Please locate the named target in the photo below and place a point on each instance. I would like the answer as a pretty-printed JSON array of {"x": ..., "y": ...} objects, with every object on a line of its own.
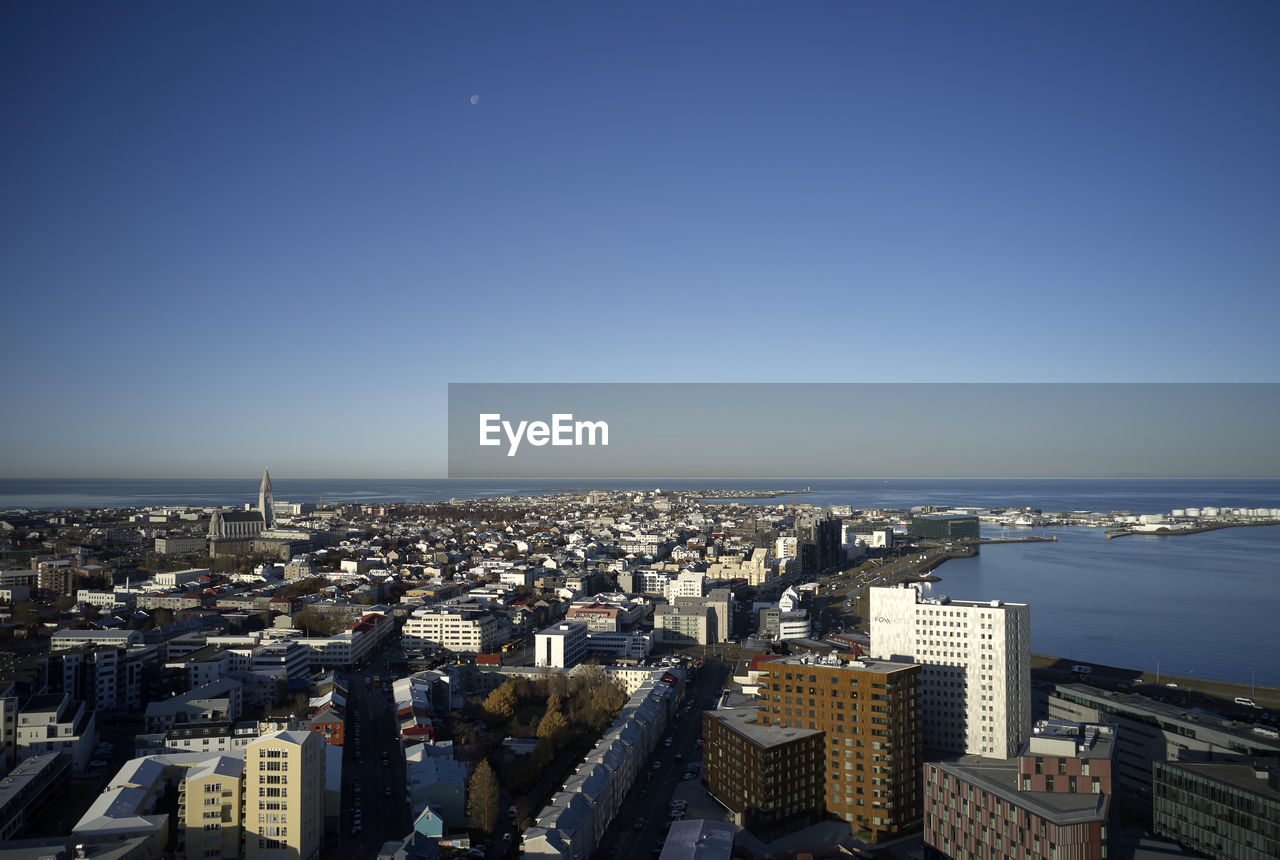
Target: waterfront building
[
  {"x": 976, "y": 681},
  {"x": 1227, "y": 810},
  {"x": 867, "y": 711},
  {"x": 943, "y": 527},
  {"x": 1150, "y": 732},
  {"x": 1051, "y": 801},
  {"x": 770, "y": 777}
]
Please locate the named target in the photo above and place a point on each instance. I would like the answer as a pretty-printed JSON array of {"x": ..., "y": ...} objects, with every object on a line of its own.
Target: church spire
[{"x": 266, "y": 502}]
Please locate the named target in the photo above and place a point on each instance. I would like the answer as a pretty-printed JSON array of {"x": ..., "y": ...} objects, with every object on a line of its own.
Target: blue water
[
  {"x": 1137, "y": 495},
  {"x": 1205, "y": 605}
]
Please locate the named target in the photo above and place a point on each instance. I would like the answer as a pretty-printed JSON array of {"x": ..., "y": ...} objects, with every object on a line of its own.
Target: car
[
  {"x": 639, "y": 824},
  {"x": 690, "y": 775},
  {"x": 97, "y": 763},
  {"x": 657, "y": 765},
  {"x": 386, "y": 792}
]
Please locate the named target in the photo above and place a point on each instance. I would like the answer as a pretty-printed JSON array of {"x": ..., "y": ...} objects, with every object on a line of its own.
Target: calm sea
[{"x": 1205, "y": 605}]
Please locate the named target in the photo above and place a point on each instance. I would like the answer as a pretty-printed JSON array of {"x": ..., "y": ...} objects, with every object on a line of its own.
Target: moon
[{"x": 475, "y": 100}]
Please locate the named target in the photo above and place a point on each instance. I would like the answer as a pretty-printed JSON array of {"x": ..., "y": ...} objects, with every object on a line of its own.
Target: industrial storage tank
[
  {"x": 1193, "y": 512},
  {"x": 1178, "y": 512}
]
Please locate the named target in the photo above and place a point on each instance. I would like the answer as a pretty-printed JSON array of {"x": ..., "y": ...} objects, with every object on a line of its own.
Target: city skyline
[{"x": 238, "y": 236}]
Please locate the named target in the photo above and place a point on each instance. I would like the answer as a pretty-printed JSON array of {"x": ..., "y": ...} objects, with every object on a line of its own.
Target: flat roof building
[
  {"x": 976, "y": 680},
  {"x": 867, "y": 712}
]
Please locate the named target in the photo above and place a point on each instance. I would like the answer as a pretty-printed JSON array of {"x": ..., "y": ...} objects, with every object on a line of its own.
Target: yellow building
[
  {"x": 284, "y": 797},
  {"x": 209, "y": 809}
]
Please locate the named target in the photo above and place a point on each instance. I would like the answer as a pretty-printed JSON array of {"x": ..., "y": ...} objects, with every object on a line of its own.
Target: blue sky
[{"x": 241, "y": 234}]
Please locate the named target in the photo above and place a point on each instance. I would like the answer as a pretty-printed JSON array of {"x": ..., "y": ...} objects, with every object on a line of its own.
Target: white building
[
  {"x": 179, "y": 578},
  {"x": 620, "y": 645},
  {"x": 561, "y": 646},
  {"x": 52, "y": 723},
  {"x": 463, "y": 629},
  {"x": 976, "y": 684},
  {"x": 75, "y": 638}
]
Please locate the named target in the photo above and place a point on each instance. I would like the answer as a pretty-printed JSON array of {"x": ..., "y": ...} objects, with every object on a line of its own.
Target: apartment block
[
  {"x": 1053, "y": 800},
  {"x": 209, "y": 809},
  {"x": 976, "y": 659},
  {"x": 771, "y": 777},
  {"x": 867, "y": 711},
  {"x": 469, "y": 630},
  {"x": 51, "y": 723},
  {"x": 284, "y": 796}
]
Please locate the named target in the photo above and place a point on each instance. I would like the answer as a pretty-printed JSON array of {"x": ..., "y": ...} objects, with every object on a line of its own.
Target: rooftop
[
  {"x": 1000, "y": 776},
  {"x": 1247, "y": 775},
  {"x": 743, "y": 721}
]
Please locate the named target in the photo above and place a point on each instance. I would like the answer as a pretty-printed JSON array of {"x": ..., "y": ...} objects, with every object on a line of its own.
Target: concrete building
[
  {"x": 28, "y": 789},
  {"x": 50, "y": 723},
  {"x": 770, "y": 777},
  {"x": 1227, "y": 810},
  {"x": 1149, "y": 732},
  {"x": 620, "y": 646},
  {"x": 75, "y": 638},
  {"x": 220, "y": 701},
  {"x": 976, "y": 682},
  {"x": 181, "y": 544},
  {"x": 284, "y": 796},
  {"x": 943, "y": 527},
  {"x": 1046, "y": 803},
  {"x": 179, "y": 578},
  {"x": 867, "y": 712},
  {"x": 562, "y": 646},
  {"x": 210, "y": 808},
  {"x": 469, "y": 630},
  {"x": 684, "y": 624}
]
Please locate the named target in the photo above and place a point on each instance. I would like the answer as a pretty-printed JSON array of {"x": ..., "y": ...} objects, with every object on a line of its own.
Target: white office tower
[{"x": 975, "y": 691}]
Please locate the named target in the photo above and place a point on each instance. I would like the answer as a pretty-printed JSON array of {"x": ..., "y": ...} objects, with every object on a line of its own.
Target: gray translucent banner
[{"x": 856, "y": 430}]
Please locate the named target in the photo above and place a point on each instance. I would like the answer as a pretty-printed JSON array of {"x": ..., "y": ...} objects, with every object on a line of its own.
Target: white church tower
[{"x": 266, "y": 502}]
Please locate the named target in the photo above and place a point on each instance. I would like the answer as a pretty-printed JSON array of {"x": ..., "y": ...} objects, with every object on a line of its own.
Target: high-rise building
[
  {"x": 284, "y": 796},
  {"x": 209, "y": 808},
  {"x": 976, "y": 658},
  {"x": 867, "y": 712}
]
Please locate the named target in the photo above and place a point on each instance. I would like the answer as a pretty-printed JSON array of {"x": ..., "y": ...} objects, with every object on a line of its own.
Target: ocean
[{"x": 1203, "y": 605}]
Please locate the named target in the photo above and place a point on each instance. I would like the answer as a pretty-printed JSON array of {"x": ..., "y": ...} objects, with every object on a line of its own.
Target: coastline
[{"x": 1168, "y": 532}]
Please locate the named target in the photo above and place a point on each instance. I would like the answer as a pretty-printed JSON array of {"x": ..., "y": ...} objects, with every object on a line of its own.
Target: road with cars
[
  {"x": 642, "y": 822},
  {"x": 374, "y": 794}
]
